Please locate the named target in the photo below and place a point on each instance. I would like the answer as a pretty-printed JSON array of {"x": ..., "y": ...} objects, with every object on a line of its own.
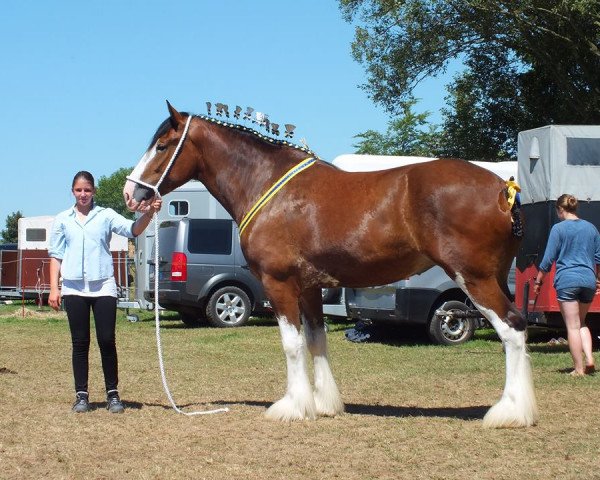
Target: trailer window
[
  {"x": 210, "y": 237},
  {"x": 583, "y": 151},
  {"x": 178, "y": 208},
  {"x": 35, "y": 234}
]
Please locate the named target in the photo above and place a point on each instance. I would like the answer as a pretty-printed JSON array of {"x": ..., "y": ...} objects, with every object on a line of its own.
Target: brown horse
[{"x": 326, "y": 227}]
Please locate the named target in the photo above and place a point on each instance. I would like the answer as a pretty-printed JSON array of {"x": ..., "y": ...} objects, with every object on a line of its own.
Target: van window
[
  {"x": 35, "y": 234},
  {"x": 210, "y": 236},
  {"x": 583, "y": 151},
  {"x": 179, "y": 208}
]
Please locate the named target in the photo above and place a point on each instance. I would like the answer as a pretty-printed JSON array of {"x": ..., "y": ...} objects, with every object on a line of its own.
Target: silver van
[
  {"x": 431, "y": 299},
  {"x": 203, "y": 274}
]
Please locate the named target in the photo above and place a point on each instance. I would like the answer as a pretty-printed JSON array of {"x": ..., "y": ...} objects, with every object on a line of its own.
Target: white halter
[{"x": 169, "y": 165}]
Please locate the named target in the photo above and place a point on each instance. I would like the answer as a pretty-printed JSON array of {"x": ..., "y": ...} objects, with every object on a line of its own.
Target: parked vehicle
[
  {"x": 553, "y": 160},
  {"x": 191, "y": 200},
  {"x": 25, "y": 267},
  {"x": 203, "y": 275},
  {"x": 431, "y": 299}
]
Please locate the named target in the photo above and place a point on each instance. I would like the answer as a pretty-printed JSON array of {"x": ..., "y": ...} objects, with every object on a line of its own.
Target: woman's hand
[
  {"x": 54, "y": 298},
  {"x": 155, "y": 206}
]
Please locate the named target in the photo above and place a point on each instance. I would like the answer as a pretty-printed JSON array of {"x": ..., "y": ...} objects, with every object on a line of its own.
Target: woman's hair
[
  {"x": 87, "y": 176},
  {"x": 567, "y": 202}
]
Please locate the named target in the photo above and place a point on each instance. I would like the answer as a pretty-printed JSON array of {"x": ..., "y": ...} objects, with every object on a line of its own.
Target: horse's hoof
[{"x": 287, "y": 410}]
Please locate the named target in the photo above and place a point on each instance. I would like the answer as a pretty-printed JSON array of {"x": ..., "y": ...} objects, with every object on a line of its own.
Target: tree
[
  {"x": 11, "y": 233},
  {"x": 110, "y": 192},
  {"x": 528, "y": 63},
  {"x": 407, "y": 134}
]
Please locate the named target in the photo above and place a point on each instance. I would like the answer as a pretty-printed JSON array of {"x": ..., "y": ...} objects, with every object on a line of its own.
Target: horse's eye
[{"x": 160, "y": 147}]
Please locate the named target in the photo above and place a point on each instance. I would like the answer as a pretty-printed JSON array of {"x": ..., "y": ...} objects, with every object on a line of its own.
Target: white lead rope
[
  {"x": 156, "y": 275},
  {"x": 158, "y": 341}
]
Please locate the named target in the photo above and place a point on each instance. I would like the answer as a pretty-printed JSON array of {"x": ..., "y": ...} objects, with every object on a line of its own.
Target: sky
[{"x": 83, "y": 84}]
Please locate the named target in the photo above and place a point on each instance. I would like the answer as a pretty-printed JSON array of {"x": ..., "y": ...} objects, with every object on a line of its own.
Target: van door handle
[{"x": 245, "y": 267}]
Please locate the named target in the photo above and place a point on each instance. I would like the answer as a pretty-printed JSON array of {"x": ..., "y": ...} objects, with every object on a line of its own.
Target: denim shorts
[{"x": 579, "y": 294}]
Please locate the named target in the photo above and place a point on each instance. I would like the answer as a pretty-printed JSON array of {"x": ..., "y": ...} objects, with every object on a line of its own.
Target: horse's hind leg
[
  {"x": 517, "y": 407},
  {"x": 326, "y": 394},
  {"x": 298, "y": 402}
]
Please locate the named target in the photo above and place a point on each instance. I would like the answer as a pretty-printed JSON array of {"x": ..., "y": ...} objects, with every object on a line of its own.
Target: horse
[{"x": 306, "y": 225}]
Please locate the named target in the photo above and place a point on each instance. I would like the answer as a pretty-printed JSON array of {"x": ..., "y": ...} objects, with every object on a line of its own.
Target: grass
[{"x": 414, "y": 410}]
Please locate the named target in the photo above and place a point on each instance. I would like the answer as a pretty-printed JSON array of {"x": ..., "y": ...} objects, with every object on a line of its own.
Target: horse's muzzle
[{"x": 137, "y": 196}]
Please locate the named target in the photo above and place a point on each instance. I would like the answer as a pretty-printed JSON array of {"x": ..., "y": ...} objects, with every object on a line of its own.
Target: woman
[
  {"x": 574, "y": 244},
  {"x": 79, "y": 250}
]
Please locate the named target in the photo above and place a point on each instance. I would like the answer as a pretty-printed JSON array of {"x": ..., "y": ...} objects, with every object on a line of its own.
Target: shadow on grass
[{"x": 475, "y": 412}]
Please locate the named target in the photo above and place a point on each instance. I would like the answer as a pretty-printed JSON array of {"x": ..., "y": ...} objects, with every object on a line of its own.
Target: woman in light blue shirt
[
  {"x": 574, "y": 244},
  {"x": 79, "y": 251}
]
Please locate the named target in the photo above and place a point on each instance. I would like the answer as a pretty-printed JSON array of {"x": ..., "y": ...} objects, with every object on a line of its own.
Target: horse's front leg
[
  {"x": 298, "y": 402},
  {"x": 327, "y": 395}
]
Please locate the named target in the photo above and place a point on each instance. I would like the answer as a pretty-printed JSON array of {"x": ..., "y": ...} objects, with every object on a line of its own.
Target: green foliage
[
  {"x": 11, "y": 233},
  {"x": 110, "y": 192},
  {"x": 527, "y": 63},
  {"x": 408, "y": 134}
]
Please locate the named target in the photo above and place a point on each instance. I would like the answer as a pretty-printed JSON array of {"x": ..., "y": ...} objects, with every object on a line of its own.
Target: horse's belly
[{"x": 366, "y": 273}]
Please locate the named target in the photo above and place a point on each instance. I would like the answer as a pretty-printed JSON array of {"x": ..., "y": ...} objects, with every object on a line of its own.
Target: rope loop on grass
[{"x": 158, "y": 340}]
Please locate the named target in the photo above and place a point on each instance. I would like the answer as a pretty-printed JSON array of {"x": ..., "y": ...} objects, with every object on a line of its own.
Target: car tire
[
  {"x": 192, "y": 316},
  {"x": 447, "y": 331},
  {"x": 228, "y": 307}
]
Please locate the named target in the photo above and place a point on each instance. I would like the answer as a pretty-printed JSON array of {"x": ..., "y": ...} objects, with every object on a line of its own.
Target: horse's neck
[{"x": 237, "y": 170}]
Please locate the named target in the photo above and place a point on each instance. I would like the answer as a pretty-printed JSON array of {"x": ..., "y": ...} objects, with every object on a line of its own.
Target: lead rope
[
  {"x": 156, "y": 266},
  {"x": 158, "y": 340}
]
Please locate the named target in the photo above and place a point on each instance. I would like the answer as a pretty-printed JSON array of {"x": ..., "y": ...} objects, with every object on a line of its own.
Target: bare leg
[
  {"x": 326, "y": 394},
  {"x": 571, "y": 314},
  {"x": 586, "y": 335}
]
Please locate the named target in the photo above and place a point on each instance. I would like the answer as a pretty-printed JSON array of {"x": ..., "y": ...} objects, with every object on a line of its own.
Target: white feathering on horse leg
[
  {"x": 327, "y": 396},
  {"x": 517, "y": 407},
  {"x": 298, "y": 403}
]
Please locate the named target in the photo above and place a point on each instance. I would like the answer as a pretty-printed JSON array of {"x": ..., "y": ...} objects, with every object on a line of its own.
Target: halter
[{"x": 169, "y": 165}]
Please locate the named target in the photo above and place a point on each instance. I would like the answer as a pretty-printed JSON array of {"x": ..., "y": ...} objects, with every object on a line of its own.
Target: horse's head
[{"x": 166, "y": 164}]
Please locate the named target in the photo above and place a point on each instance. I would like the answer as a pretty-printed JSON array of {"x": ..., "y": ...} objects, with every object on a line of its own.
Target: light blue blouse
[{"x": 84, "y": 247}]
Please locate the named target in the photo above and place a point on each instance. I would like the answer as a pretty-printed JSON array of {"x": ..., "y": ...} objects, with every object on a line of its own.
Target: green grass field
[{"x": 413, "y": 410}]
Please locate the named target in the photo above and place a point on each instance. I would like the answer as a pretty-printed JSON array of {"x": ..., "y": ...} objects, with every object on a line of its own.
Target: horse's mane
[{"x": 258, "y": 136}]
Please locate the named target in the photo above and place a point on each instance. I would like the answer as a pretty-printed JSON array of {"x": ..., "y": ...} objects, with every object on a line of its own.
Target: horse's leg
[
  {"x": 517, "y": 407},
  {"x": 298, "y": 402},
  {"x": 327, "y": 396}
]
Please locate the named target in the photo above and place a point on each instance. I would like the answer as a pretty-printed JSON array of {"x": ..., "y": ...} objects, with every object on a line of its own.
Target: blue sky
[{"x": 84, "y": 84}]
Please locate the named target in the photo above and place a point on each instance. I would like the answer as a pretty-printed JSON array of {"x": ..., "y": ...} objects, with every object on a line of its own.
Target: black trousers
[{"x": 105, "y": 315}]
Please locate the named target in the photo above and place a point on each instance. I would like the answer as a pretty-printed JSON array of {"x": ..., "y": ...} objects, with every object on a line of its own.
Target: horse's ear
[{"x": 176, "y": 117}]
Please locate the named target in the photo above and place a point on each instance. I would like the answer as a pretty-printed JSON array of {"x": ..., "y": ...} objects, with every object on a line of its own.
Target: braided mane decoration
[{"x": 257, "y": 118}]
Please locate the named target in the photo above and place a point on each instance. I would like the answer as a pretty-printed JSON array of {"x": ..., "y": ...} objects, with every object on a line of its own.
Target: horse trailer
[
  {"x": 25, "y": 270},
  {"x": 553, "y": 160}
]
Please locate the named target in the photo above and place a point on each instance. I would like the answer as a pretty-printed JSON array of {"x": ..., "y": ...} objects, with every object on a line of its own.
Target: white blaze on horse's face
[{"x": 136, "y": 174}]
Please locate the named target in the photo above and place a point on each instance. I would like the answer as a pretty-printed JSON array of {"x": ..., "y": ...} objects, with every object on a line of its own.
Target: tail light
[{"x": 178, "y": 267}]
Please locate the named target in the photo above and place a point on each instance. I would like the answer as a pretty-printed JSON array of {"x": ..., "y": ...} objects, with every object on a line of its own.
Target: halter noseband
[{"x": 169, "y": 165}]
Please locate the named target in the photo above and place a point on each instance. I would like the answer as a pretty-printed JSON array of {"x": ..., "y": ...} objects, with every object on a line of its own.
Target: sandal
[
  {"x": 575, "y": 373},
  {"x": 590, "y": 369}
]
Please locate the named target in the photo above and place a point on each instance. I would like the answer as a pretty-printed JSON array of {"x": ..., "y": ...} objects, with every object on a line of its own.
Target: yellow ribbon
[{"x": 278, "y": 185}]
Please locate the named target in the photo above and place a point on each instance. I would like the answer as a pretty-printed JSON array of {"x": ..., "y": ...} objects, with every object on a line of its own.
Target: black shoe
[
  {"x": 81, "y": 404},
  {"x": 114, "y": 404}
]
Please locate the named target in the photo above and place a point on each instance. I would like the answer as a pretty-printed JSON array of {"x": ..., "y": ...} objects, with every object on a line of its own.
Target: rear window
[
  {"x": 583, "y": 151},
  {"x": 210, "y": 237}
]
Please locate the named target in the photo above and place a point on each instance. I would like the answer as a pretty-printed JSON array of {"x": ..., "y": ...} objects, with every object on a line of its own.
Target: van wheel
[
  {"x": 192, "y": 317},
  {"x": 228, "y": 307},
  {"x": 446, "y": 330}
]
